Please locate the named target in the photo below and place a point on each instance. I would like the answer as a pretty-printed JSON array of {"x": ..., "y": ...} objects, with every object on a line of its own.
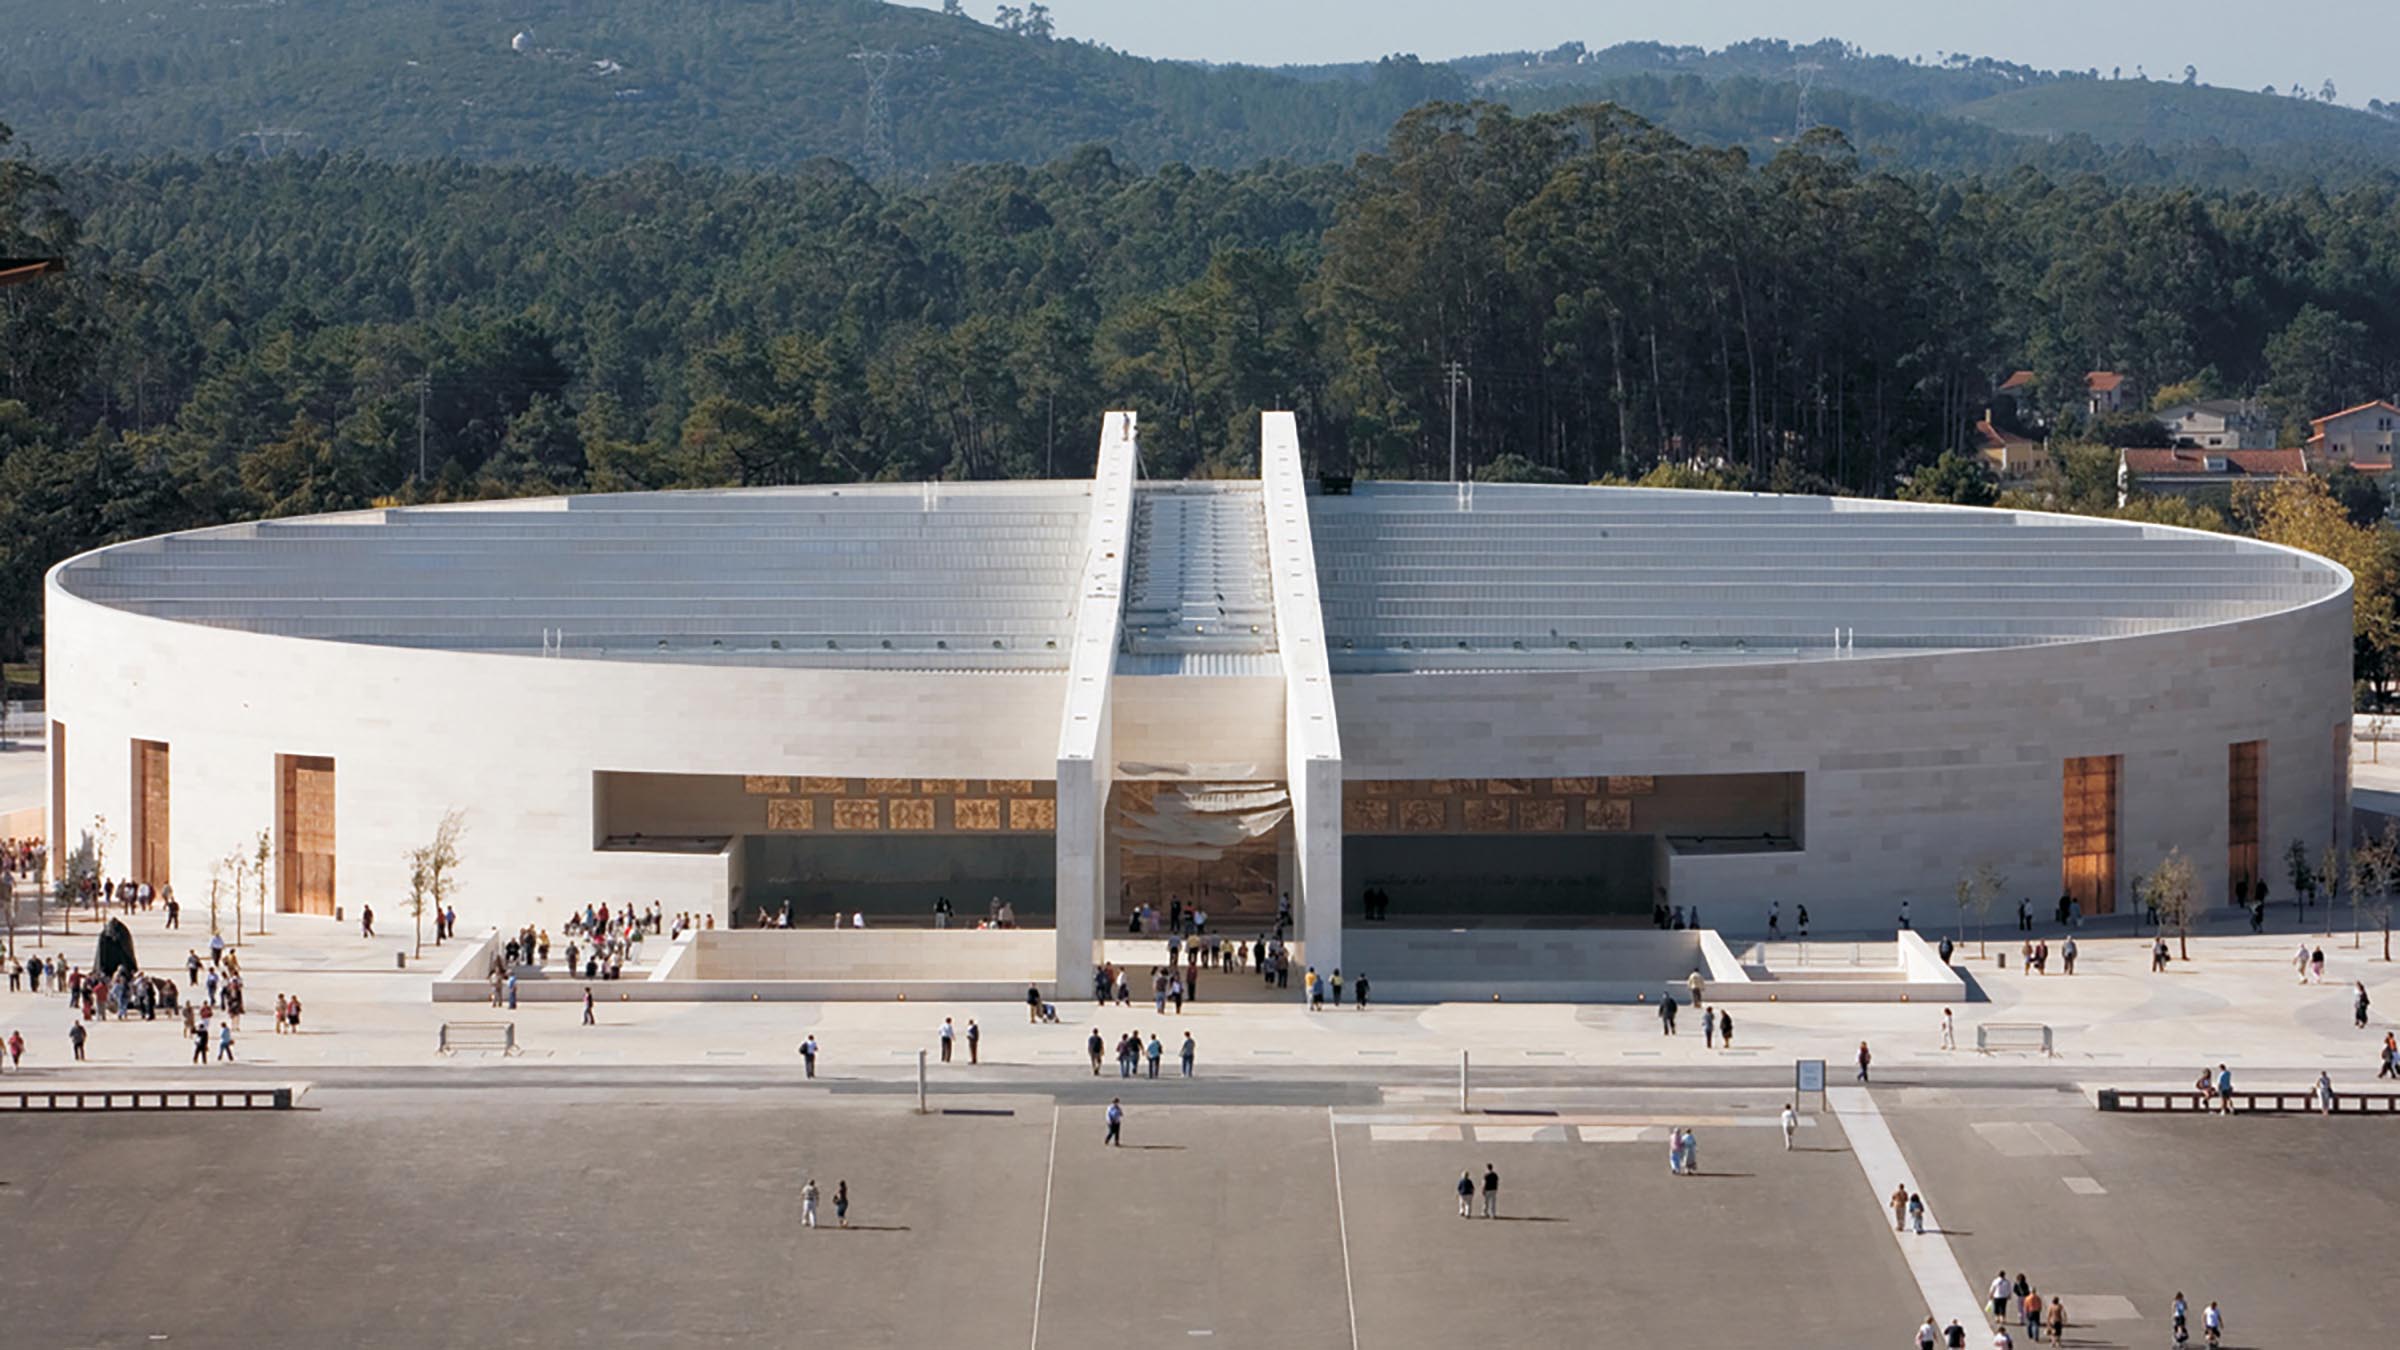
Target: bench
[
  {"x": 148, "y": 1099},
  {"x": 1992, "y": 1036},
  {"x": 500, "y": 1036},
  {"x": 2271, "y": 1102}
]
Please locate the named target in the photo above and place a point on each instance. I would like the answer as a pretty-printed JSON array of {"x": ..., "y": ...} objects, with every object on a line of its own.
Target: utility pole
[
  {"x": 1454, "y": 374},
  {"x": 424, "y": 393}
]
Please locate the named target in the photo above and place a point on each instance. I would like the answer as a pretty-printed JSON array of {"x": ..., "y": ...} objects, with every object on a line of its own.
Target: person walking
[
  {"x": 2391, "y": 1057},
  {"x": 1999, "y": 1294},
  {"x": 808, "y": 1056},
  {"x": 1949, "y": 1031},
  {"x": 1916, "y": 1213},
  {"x": 1691, "y": 1152},
  {"x": 2182, "y": 1328},
  {"x": 1157, "y": 1051},
  {"x": 16, "y": 1049},
  {"x": 2032, "y": 1308},
  {"x": 588, "y": 1019},
  {"x": 1316, "y": 990},
  {"x": 946, "y": 1035},
  {"x": 1675, "y": 1150},
  {"x": 1929, "y": 1336},
  {"x": 1864, "y": 1059},
  {"x": 1666, "y": 1014},
  {"x": 1791, "y": 1123},
  {"x": 1466, "y": 1195},
  {"x": 2212, "y": 1323},
  {"x": 75, "y": 1037},
  {"x": 2300, "y": 962},
  {"x": 1708, "y": 1028},
  {"x": 1189, "y": 1049},
  {"x": 841, "y": 1204},
  {"x": 1724, "y": 1027},
  {"x": 2058, "y": 1321},
  {"x": 2358, "y": 1007},
  {"x": 2316, "y": 966},
  {"x": 1899, "y": 1204},
  {"x": 1362, "y": 991},
  {"x": 2067, "y": 957},
  {"x": 808, "y": 1204},
  {"x": 366, "y": 921},
  {"x": 200, "y": 1044},
  {"x": 1094, "y": 1046},
  {"x": 1954, "y": 1336},
  {"x": 1491, "y": 1191},
  {"x": 2324, "y": 1093},
  {"x": 1116, "y": 1124},
  {"x": 2224, "y": 1090},
  {"x": 974, "y": 1042},
  {"x": 225, "y": 1041}
]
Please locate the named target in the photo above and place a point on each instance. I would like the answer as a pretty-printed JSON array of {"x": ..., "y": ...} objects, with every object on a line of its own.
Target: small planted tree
[
  {"x": 2171, "y": 889},
  {"x": 2333, "y": 868},
  {"x": 1979, "y": 889},
  {"x": 432, "y": 870},
  {"x": 262, "y": 852},
  {"x": 2387, "y": 880},
  {"x": 234, "y": 870},
  {"x": 2304, "y": 877}
]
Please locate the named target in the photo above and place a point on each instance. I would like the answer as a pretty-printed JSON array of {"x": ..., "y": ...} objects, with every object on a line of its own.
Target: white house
[
  {"x": 2365, "y": 432},
  {"x": 2219, "y": 424}
]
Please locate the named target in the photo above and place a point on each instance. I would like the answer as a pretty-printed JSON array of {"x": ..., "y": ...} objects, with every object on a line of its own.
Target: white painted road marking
[
  {"x": 1041, "y": 1262},
  {"x": 1341, "y": 1214},
  {"x": 2084, "y": 1186},
  {"x": 1930, "y": 1261}
]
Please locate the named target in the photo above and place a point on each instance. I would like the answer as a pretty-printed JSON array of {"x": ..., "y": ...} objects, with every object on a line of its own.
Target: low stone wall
[
  {"x": 1018, "y": 955},
  {"x": 1917, "y": 975},
  {"x": 794, "y": 966}
]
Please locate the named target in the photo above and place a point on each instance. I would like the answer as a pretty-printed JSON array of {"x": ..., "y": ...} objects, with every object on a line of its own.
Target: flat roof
[
  {"x": 1422, "y": 577},
  {"x": 1409, "y": 577},
  {"x": 944, "y": 576}
]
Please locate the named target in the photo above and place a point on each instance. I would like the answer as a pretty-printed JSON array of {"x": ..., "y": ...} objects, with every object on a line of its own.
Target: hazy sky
[{"x": 2239, "y": 43}]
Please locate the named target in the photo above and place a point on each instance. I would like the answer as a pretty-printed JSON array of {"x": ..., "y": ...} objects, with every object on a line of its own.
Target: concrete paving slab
[
  {"x": 1604, "y": 1247},
  {"x": 2281, "y": 1219}
]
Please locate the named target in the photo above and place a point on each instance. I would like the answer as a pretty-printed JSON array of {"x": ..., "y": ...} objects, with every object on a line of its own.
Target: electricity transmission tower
[
  {"x": 878, "y": 66},
  {"x": 1807, "y": 71}
]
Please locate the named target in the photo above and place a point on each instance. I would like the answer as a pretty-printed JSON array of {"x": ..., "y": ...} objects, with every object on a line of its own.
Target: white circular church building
[{"x": 1514, "y": 709}]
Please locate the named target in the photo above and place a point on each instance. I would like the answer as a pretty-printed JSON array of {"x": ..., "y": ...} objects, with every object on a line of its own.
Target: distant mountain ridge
[{"x": 771, "y": 84}]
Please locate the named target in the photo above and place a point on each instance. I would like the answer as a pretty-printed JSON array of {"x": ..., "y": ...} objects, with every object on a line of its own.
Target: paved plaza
[
  {"x": 639, "y": 1180},
  {"x": 670, "y": 1214}
]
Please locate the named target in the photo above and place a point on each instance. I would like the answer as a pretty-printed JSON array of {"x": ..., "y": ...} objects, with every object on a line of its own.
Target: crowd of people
[
  {"x": 209, "y": 1001},
  {"x": 600, "y": 943},
  {"x": 21, "y": 858}
]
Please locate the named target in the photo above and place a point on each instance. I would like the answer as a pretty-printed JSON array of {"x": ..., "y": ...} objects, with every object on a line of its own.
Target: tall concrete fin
[
  {"x": 1312, "y": 735},
  {"x": 1083, "y": 723}
]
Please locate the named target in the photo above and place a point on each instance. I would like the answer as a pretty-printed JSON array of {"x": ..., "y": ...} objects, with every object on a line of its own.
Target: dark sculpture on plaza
[{"x": 115, "y": 951}]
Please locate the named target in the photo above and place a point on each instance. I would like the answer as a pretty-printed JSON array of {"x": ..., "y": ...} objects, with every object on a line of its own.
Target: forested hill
[
  {"x": 600, "y": 83},
  {"x": 770, "y": 84}
]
